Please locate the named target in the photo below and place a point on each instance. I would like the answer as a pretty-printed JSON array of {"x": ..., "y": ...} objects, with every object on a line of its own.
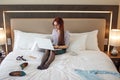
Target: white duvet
[{"x": 62, "y": 68}]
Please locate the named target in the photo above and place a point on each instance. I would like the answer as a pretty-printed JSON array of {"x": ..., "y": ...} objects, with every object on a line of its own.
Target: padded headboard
[
  {"x": 44, "y": 25},
  {"x": 74, "y": 25},
  {"x": 77, "y": 17}
]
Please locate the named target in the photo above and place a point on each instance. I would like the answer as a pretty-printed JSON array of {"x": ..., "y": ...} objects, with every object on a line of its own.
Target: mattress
[{"x": 62, "y": 68}]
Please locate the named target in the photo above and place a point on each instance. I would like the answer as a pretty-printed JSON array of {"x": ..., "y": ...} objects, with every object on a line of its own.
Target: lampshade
[
  {"x": 115, "y": 37},
  {"x": 2, "y": 37}
]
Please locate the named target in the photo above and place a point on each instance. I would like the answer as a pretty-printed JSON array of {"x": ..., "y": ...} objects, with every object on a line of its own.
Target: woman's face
[{"x": 56, "y": 25}]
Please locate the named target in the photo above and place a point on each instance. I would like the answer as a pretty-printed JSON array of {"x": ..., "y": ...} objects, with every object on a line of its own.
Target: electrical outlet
[
  {"x": 9, "y": 41},
  {"x": 105, "y": 41}
]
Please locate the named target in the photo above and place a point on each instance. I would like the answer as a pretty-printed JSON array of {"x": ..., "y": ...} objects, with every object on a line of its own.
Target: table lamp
[
  {"x": 114, "y": 40},
  {"x": 2, "y": 40}
]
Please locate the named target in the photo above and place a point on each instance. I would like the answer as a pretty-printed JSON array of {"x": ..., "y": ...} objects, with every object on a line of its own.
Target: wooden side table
[
  {"x": 1, "y": 58},
  {"x": 116, "y": 60}
]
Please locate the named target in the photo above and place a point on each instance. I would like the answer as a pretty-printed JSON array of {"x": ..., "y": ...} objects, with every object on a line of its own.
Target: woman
[{"x": 60, "y": 39}]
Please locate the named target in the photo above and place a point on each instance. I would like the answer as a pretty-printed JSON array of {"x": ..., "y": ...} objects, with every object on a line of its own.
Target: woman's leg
[
  {"x": 50, "y": 59},
  {"x": 44, "y": 59}
]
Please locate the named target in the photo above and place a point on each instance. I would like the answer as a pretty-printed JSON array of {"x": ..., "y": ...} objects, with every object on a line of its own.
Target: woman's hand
[
  {"x": 56, "y": 47},
  {"x": 60, "y": 47}
]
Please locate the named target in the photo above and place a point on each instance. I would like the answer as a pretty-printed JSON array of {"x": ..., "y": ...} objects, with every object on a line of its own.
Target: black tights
[{"x": 47, "y": 59}]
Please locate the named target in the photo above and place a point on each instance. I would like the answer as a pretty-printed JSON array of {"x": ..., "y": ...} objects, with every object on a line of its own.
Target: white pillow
[
  {"x": 77, "y": 43},
  {"x": 91, "y": 41},
  {"x": 25, "y": 41}
]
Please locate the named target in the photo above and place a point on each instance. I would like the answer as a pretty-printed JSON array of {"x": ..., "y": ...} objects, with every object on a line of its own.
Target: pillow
[
  {"x": 91, "y": 41},
  {"x": 25, "y": 41},
  {"x": 77, "y": 43}
]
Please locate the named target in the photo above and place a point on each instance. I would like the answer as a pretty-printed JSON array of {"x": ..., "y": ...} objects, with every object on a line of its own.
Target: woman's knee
[
  {"x": 53, "y": 52},
  {"x": 47, "y": 52}
]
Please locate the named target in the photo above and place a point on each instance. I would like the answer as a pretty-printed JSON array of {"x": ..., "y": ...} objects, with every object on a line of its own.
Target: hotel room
[{"x": 92, "y": 54}]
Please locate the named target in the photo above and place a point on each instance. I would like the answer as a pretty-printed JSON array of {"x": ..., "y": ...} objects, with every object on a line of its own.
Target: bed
[{"x": 82, "y": 61}]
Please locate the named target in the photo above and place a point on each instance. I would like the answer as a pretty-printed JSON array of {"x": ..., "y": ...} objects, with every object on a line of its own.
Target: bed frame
[{"x": 106, "y": 13}]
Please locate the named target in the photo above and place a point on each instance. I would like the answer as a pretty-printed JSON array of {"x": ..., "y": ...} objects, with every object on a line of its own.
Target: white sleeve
[{"x": 67, "y": 38}]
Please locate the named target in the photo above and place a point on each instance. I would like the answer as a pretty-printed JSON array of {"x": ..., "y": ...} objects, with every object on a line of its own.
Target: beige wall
[
  {"x": 91, "y": 2},
  {"x": 74, "y": 2}
]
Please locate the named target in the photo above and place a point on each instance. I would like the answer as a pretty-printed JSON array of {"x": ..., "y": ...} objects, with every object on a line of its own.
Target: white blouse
[{"x": 55, "y": 36}]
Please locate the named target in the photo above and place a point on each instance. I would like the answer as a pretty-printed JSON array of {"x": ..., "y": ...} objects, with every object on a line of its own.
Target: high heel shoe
[
  {"x": 17, "y": 73},
  {"x": 23, "y": 65}
]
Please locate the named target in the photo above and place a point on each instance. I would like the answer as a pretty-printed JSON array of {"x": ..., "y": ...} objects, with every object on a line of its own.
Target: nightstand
[
  {"x": 116, "y": 60},
  {"x": 1, "y": 58}
]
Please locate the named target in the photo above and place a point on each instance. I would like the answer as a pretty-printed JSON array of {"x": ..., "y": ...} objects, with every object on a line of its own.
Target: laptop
[{"x": 44, "y": 43}]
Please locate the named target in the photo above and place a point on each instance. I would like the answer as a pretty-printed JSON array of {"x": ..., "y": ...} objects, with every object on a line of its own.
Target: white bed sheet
[{"x": 62, "y": 68}]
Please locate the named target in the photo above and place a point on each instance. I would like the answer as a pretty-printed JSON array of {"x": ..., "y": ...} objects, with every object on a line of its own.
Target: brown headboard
[{"x": 107, "y": 12}]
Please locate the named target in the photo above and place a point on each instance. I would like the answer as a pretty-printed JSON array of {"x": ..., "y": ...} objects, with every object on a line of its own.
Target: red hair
[{"x": 60, "y": 22}]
